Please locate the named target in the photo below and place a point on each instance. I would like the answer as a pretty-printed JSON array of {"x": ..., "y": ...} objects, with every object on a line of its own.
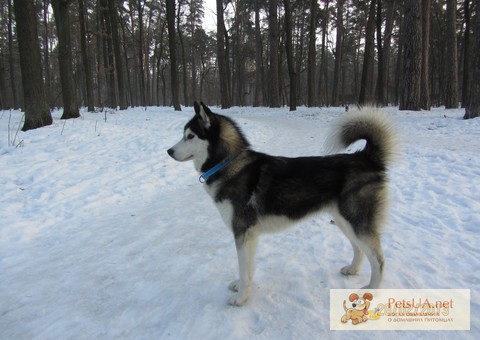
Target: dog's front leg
[{"x": 245, "y": 244}]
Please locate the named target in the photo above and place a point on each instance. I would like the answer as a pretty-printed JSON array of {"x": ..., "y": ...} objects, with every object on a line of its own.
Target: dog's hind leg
[
  {"x": 372, "y": 247},
  {"x": 246, "y": 245},
  {"x": 347, "y": 229},
  {"x": 352, "y": 268}
]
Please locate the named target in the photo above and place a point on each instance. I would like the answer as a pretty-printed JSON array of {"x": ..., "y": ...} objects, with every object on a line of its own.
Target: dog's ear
[
  {"x": 353, "y": 297},
  {"x": 196, "y": 106},
  {"x": 368, "y": 296},
  {"x": 204, "y": 113}
]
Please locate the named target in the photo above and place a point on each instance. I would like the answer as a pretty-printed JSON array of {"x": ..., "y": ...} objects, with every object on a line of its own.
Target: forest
[{"x": 108, "y": 54}]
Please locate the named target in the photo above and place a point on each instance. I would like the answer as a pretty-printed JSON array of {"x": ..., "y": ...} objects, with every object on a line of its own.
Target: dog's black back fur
[{"x": 297, "y": 187}]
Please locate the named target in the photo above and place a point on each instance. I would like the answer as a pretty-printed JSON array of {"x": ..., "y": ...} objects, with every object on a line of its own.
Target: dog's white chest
[{"x": 225, "y": 207}]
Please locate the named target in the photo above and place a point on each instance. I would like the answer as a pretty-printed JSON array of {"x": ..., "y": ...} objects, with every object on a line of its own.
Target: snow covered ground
[{"x": 103, "y": 236}]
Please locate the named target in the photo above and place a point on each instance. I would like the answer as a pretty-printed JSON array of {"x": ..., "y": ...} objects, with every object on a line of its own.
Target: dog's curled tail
[{"x": 371, "y": 125}]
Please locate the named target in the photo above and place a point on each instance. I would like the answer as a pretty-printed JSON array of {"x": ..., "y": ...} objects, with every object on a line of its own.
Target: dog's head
[
  {"x": 361, "y": 304},
  {"x": 194, "y": 143},
  {"x": 208, "y": 138}
]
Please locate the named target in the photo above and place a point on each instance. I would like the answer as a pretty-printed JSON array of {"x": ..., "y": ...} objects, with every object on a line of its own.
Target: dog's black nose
[
  {"x": 170, "y": 152},
  {"x": 354, "y": 305}
]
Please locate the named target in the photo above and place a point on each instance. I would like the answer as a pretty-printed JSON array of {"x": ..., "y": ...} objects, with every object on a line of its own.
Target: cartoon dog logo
[{"x": 359, "y": 311}]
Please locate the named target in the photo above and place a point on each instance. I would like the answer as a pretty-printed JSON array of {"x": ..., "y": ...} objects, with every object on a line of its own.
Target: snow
[{"x": 103, "y": 236}]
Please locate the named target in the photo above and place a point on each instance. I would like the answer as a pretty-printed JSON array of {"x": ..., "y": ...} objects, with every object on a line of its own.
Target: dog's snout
[
  {"x": 354, "y": 305},
  {"x": 170, "y": 152}
]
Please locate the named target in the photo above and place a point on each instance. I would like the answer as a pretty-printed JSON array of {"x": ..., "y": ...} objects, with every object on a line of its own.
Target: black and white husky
[{"x": 257, "y": 193}]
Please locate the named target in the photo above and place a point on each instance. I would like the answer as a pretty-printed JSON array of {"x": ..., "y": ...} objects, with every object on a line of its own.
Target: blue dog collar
[{"x": 207, "y": 174}]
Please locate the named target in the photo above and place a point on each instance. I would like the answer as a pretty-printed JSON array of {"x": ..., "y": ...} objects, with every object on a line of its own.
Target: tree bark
[
  {"x": 67, "y": 77},
  {"x": 37, "y": 113},
  {"x": 258, "y": 94},
  {"x": 466, "y": 56},
  {"x": 425, "y": 84},
  {"x": 390, "y": 10},
  {"x": 225, "y": 98},
  {"x": 186, "y": 100},
  {"x": 323, "y": 76},
  {"x": 472, "y": 110},
  {"x": 274, "y": 53},
  {"x": 108, "y": 55},
  {"x": 451, "y": 68},
  {"x": 411, "y": 57},
  {"x": 290, "y": 61},
  {"x": 338, "y": 54},
  {"x": 11, "y": 58},
  {"x": 122, "y": 97},
  {"x": 312, "y": 55},
  {"x": 193, "y": 16},
  {"x": 365, "y": 84},
  {"x": 85, "y": 58},
  {"x": 380, "y": 88},
  {"x": 170, "y": 6}
]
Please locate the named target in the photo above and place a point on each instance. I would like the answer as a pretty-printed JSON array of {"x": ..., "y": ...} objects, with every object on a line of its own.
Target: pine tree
[
  {"x": 65, "y": 61},
  {"x": 472, "y": 110},
  {"x": 36, "y": 109},
  {"x": 411, "y": 57},
  {"x": 173, "y": 55},
  {"x": 451, "y": 68}
]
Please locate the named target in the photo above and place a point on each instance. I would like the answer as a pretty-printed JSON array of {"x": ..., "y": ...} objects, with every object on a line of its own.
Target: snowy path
[{"x": 102, "y": 236}]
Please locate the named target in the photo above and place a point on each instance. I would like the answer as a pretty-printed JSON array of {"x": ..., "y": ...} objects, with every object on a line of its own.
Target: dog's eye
[{"x": 190, "y": 136}]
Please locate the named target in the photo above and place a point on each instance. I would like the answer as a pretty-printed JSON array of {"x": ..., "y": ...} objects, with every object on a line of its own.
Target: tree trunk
[
  {"x": 67, "y": 77},
  {"x": 85, "y": 57},
  {"x": 99, "y": 70},
  {"x": 108, "y": 55},
  {"x": 122, "y": 98},
  {"x": 466, "y": 56},
  {"x": 472, "y": 110},
  {"x": 289, "y": 50},
  {"x": 227, "y": 64},
  {"x": 274, "y": 54},
  {"x": 451, "y": 68},
  {"x": 222, "y": 58},
  {"x": 129, "y": 88},
  {"x": 399, "y": 62},
  {"x": 367, "y": 69},
  {"x": 37, "y": 113},
  {"x": 411, "y": 58},
  {"x": 11, "y": 59},
  {"x": 186, "y": 100},
  {"x": 257, "y": 101},
  {"x": 323, "y": 76},
  {"x": 238, "y": 57},
  {"x": 338, "y": 54},
  {"x": 390, "y": 10},
  {"x": 170, "y": 6},
  {"x": 380, "y": 88},
  {"x": 425, "y": 85},
  {"x": 193, "y": 15},
  {"x": 312, "y": 55}
]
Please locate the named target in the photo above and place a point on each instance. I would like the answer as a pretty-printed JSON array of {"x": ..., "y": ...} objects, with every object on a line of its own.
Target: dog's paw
[
  {"x": 233, "y": 286},
  {"x": 237, "y": 300},
  {"x": 349, "y": 270}
]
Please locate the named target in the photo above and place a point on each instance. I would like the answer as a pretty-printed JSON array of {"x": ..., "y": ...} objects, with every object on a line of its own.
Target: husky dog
[{"x": 257, "y": 193}]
